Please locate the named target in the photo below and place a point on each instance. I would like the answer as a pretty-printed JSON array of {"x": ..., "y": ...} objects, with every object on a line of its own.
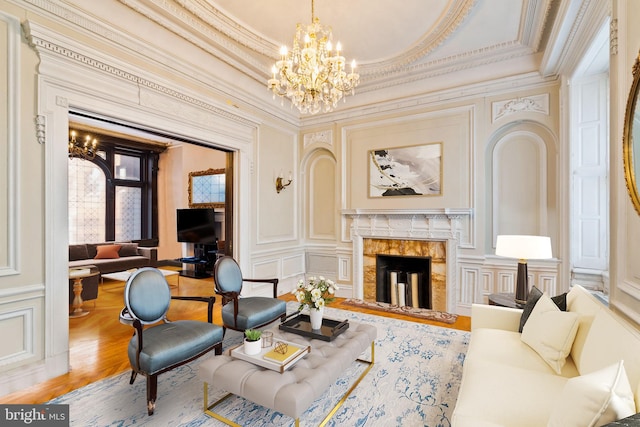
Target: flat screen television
[{"x": 196, "y": 226}]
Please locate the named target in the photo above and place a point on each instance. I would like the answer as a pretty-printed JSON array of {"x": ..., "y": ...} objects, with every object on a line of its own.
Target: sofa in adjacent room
[
  {"x": 107, "y": 257},
  {"x": 110, "y": 257},
  {"x": 548, "y": 367}
]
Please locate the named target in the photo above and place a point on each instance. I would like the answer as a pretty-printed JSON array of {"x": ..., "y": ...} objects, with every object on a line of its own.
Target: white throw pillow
[
  {"x": 594, "y": 399},
  {"x": 550, "y": 332}
]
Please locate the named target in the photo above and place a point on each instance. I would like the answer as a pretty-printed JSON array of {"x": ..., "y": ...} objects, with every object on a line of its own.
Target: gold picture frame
[
  {"x": 207, "y": 188},
  {"x": 631, "y": 139}
]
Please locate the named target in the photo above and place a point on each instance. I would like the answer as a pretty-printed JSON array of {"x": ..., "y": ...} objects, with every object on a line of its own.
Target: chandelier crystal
[
  {"x": 86, "y": 150},
  {"x": 312, "y": 75}
]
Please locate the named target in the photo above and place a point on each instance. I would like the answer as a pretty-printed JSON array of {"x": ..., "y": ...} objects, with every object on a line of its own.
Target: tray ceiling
[{"x": 390, "y": 40}]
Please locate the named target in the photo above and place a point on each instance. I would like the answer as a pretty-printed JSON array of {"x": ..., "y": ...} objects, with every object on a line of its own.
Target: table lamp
[{"x": 523, "y": 248}]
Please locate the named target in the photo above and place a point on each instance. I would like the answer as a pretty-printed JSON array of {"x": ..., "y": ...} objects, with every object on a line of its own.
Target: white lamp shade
[{"x": 524, "y": 247}]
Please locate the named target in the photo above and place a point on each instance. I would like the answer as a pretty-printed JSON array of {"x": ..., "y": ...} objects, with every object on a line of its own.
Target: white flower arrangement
[{"x": 315, "y": 294}]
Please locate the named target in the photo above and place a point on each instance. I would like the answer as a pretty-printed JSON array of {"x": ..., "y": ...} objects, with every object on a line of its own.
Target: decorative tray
[
  {"x": 301, "y": 325},
  {"x": 263, "y": 359}
]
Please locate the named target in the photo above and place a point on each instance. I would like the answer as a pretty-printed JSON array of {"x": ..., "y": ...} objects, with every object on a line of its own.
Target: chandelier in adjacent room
[
  {"x": 86, "y": 149},
  {"x": 313, "y": 73}
]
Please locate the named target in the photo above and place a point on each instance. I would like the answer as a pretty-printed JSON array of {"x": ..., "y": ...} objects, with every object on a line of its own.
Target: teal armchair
[
  {"x": 241, "y": 313},
  {"x": 158, "y": 344}
]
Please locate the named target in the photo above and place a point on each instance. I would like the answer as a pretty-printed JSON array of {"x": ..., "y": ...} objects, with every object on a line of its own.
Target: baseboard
[{"x": 30, "y": 375}]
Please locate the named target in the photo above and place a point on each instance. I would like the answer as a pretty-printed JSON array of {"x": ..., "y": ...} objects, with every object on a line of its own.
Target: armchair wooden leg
[
  {"x": 218, "y": 349},
  {"x": 152, "y": 391},
  {"x": 134, "y": 374}
]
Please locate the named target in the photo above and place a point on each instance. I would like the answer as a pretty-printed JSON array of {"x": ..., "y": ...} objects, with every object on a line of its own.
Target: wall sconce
[{"x": 280, "y": 184}]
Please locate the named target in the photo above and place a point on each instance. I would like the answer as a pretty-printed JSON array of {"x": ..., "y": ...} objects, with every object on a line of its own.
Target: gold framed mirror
[
  {"x": 631, "y": 139},
  {"x": 207, "y": 188}
]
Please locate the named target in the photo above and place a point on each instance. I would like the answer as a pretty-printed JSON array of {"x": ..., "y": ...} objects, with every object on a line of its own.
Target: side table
[
  {"x": 504, "y": 300},
  {"x": 632, "y": 421},
  {"x": 77, "y": 275}
]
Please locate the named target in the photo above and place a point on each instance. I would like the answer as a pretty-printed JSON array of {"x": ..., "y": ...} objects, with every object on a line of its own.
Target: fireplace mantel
[
  {"x": 448, "y": 225},
  {"x": 446, "y": 212}
]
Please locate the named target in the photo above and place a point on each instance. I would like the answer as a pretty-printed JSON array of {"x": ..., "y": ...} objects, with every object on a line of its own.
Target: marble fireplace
[
  {"x": 433, "y": 233},
  {"x": 434, "y": 250}
]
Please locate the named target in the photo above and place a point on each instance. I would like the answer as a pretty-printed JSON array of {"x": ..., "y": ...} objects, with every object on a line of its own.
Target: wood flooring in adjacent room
[{"x": 98, "y": 342}]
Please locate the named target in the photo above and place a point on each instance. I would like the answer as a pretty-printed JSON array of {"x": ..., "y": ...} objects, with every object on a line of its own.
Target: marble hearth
[
  {"x": 436, "y": 233},
  {"x": 423, "y": 248}
]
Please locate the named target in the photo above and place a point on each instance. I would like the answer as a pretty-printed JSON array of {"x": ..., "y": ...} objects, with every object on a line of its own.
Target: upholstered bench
[{"x": 293, "y": 391}]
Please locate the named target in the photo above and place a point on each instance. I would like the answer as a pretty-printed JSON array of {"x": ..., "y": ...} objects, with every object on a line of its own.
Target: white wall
[
  {"x": 56, "y": 68},
  {"x": 625, "y": 221},
  {"x": 500, "y": 159},
  {"x": 52, "y": 74}
]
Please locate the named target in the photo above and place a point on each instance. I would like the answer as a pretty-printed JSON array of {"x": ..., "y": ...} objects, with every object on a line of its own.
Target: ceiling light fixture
[
  {"x": 313, "y": 74},
  {"x": 86, "y": 150}
]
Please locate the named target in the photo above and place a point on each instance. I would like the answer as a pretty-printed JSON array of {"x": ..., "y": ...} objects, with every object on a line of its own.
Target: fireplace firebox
[{"x": 403, "y": 280}]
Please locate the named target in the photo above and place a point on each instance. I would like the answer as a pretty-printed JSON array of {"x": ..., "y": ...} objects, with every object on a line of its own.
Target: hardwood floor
[{"x": 98, "y": 342}]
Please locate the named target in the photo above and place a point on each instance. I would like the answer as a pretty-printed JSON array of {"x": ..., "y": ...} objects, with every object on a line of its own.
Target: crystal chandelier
[
  {"x": 86, "y": 150},
  {"x": 313, "y": 74}
]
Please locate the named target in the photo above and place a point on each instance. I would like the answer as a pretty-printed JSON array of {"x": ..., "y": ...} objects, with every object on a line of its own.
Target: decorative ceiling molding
[
  {"x": 467, "y": 61},
  {"x": 537, "y": 18},
  {"x": 434, "y": 37},
  {"x": 215, "y": 18},
  {"x": 564, "y": 47},
  {"x": 201, "y": 34},
  {"x": 222, "y": 38},
  {"x": 210, "y": 28},
  {"x": 42, "y": 43}
]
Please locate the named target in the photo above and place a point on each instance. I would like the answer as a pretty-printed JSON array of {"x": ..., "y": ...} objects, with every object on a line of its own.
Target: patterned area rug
[
  {"x": 414, "y": 382},
  {"x": 422, "y": 313}
]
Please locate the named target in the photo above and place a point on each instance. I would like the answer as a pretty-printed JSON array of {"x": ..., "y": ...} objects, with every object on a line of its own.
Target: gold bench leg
[
  {"x": 353, "y": 386},
  {"x": 208, "y": 408}
]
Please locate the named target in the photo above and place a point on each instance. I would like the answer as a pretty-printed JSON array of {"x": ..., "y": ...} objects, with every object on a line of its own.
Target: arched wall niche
[
  {"x": 522, "y": 173},
  {"x": 320, "y": 170}
]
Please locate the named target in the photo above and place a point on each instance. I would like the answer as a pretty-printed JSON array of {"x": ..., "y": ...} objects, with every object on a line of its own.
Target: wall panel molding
[
  {"x": 18, "y": 324},
  {"x": 9, "y": 146}
]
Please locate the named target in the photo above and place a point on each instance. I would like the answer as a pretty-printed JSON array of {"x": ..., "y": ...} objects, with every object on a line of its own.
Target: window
[
  {"x": 87, "y": 202},
  {"x": 114, "y": 196}
]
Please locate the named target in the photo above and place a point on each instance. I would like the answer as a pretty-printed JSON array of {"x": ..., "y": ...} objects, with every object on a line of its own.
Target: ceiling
[{"x": 393, "y": 42}]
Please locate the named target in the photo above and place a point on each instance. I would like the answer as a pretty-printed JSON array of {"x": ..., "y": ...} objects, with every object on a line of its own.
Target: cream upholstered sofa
[{"x": 523, "y": 379}]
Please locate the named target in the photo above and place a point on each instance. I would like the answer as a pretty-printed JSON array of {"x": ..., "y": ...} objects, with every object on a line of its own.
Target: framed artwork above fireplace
[{"x": 406, "y": 171}]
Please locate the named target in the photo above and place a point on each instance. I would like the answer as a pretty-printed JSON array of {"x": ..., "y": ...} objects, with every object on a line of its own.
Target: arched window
[
  {"x": 87, "y": 202},
  {"x": 113, "y": 197}
]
